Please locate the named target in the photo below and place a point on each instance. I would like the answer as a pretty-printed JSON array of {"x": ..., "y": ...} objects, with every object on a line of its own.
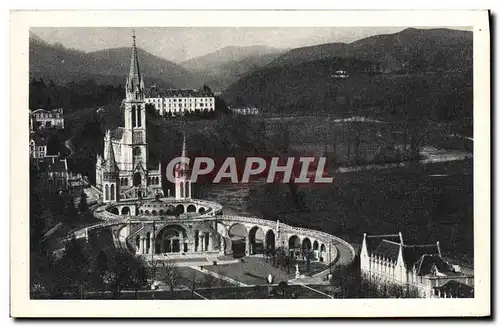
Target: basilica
[{"x": 124, "y": 172}]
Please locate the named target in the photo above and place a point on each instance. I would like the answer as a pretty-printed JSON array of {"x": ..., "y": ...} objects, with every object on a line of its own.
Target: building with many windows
[
  {"x": 387, "y": 259},
  {"x": 42, "y": 118},
  {"x": 55, "y": 174},
  {"x": 179, "y": 101}
]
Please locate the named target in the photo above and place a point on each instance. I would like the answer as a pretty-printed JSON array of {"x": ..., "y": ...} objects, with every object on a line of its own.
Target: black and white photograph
[{"x": 194, "y": 163}]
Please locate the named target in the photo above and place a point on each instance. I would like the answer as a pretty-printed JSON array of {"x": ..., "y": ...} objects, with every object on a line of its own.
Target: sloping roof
[
  {"x": 117, "y": 133},
  {"x": 388, "y": 249},
  {"x": 412, "y": 253},
  {"x": 38, "y": 139},
  {"x": 373, "y": 241},
  {"x": 111, "y": 166},
  {"x": 53, "y": 164},
  {"x": 426, "y": 263},
  {"x": 456, "y": 289}
]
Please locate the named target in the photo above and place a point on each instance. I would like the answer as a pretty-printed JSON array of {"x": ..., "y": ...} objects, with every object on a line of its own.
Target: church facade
[{"x": 123, "y": 172}]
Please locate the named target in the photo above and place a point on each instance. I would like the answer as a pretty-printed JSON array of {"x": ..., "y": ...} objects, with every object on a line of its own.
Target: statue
[{"x": 297, "y": 272}]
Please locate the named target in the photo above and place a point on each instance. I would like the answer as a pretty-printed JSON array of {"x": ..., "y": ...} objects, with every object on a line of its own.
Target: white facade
[
  {"x": 37, "y": 150},
  {"x": 42, "y": 118},
  {"x": 180, "y": 101}
]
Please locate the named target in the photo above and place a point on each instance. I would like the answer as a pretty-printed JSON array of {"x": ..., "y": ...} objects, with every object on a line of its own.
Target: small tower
[
  {"x": 110, "y": 174},
  {"x": 183, "y": 175}
]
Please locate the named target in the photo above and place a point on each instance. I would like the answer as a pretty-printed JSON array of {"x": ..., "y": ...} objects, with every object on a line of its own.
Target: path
[
  {"x": 216, "y": 275},
  {"x": 310, "y": 288}
]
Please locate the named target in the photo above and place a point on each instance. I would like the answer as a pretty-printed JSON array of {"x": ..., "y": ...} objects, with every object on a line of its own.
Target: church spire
[
  {"x": 111, "y": 169},
  {"x": 134, "y": 80}
]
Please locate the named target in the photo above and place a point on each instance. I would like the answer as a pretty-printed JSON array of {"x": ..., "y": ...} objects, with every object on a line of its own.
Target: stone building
[
  {"x": 54, "y": 176},
  {"x": 387, "y": 259},
  {"x": 124, "y": 172}
]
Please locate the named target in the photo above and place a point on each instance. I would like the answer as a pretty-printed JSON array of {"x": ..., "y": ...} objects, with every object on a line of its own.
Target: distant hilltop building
[
  {"x": 340, "y": 74},
  {"x": 179, "y": 101},
  {"x": 245, "y": 110},
  {"x": 42, "y": 118},
  {"x": 386, "y": 259},
  {"x": 123, "y": 172},
  {"x": 38, "y": 146}
]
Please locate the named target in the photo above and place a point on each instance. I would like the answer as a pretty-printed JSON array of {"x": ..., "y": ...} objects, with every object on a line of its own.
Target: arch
[
  {"x": 170, "y": 210},
  {"x": 137, "y": 151},
  {"x": 146, "y": 212},
  {"x": 256, "y": 237},
  {"x": 191, "y": 208},
  {"x": 137, "y": 179},
  {"x": 238, "y": 235},
  {"x": 179, "y": 209},
  {"x": 322, "y": 252},
  {"x": 153, "y": 212},
  {"x": 157, "y": 181},
  {"x": 125, "y": 181},
  {"x": 125, "y": 210},
  {"x": 323, "y": 247},
  {"x": 114, "y": 211},
  {"x": 112, "y": 192},
  {"x": 139, "y": 122},
  {"x": 270, "y": 240},
  {"x": 306, "y": 244},
  {"x": 182, "y": 189},
  {"x": 161, "y": 212},
  {"x": 315, "y": 245},
  {"x": 171, "y": 239},
  {"x": 294, "y": 245},
  {"x": 133, "y": 117},
  {"x": 106, "y": 192},
  {"x": 201, "y": 210}
]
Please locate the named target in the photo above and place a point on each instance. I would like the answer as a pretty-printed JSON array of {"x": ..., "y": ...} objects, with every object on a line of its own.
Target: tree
[
  {"x": 171, "y": 276},
  {"x": 125, "y": 270},
  {"x": 83, "y": 206},
  {"x": 282, "y": 287}
]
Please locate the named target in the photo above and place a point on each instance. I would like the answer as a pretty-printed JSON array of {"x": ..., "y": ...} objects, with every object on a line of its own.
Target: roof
[
  {"x": 184, "y": 93},
  {"x": 388, "y": 249},
  {"x": 427, "y": 262},
  {"x": 412, "y": 253},
  {"x": 38, "y": 139},
  {"x": 52, "y": 164},
  {"x": 373, "y": 241},
  {"x": 456, "y": 289},
  {"x": 117, "y": 133},
  {"x": 111, "y": 166}
]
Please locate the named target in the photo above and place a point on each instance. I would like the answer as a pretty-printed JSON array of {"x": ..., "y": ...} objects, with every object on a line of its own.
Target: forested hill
[
  {"x": 55, "y": 62},
  {"x": 414, "y": 74}
]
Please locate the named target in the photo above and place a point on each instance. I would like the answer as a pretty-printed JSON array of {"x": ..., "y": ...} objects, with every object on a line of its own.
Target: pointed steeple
[
  {"x": 134, "y": 80},
  {"x": 111, "y": 169}
]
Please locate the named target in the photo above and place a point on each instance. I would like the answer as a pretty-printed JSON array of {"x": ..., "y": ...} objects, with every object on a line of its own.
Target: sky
[{"x": 181, "y": 43}]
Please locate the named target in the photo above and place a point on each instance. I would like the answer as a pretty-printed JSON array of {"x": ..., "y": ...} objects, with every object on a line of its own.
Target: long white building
[{"x": 178, "y": 101}]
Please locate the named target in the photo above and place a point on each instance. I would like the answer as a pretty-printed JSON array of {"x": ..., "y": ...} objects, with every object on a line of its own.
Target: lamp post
[{"x": 153, "y": 264}]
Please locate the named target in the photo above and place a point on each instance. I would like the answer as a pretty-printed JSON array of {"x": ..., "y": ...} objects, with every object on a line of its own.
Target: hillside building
[
  {"x": 124, "y": 171},
  {"x": 386, "y": 259},
  {"x": 38, "y": 146},
  {"x": 245, "y": 110},
  {"x": 42, "y": 118},
  {"x": 54, "y": 176},
  {"x": 179, "y": 101}
]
